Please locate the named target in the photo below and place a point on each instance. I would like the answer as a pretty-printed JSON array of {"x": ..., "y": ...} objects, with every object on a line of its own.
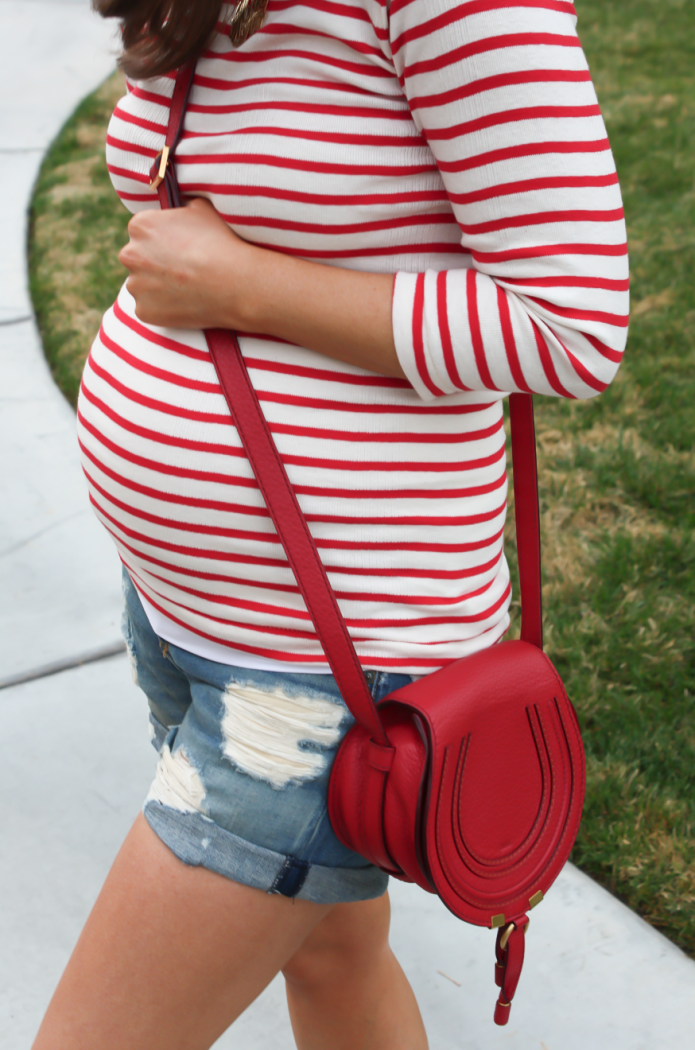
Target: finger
[
  {"x": 130, "y": 255},
  {"x": 144, "y": 222},
  {"x": 200, "y": 204},
  {"x": 125, "y": 256},
  {"x": 135, "y": 225}
]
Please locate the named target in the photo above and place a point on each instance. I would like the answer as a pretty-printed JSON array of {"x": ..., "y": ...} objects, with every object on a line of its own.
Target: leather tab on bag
[
  {"x": 502, "y": 1011},
  {"x": 510, "y": 960},
  {"x": 381, "y": 757}
]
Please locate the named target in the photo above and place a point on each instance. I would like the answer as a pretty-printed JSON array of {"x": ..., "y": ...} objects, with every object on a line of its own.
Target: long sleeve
[{"x": 503, "y": 95}]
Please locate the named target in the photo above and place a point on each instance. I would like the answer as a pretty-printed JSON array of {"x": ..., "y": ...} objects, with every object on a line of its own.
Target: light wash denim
[{"x": 227, "y": 818}]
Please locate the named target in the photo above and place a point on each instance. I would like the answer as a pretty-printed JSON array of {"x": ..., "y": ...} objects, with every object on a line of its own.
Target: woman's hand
[{"x": 188, "y": 269}]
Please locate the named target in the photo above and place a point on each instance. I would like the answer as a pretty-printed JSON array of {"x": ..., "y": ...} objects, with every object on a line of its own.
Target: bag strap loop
[
  {"x": 285, "y": 512},
  {"x": 292, "y": 529}
]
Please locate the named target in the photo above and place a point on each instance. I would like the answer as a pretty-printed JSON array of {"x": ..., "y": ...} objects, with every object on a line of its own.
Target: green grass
[
  {"x": 618, "y": 490},
  {"x": 77, "y": 227},
  {"x": 618, "y": 472}
]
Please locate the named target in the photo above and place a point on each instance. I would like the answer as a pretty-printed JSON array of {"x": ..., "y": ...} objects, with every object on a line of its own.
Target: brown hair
[{"x": 160, "y": 35}]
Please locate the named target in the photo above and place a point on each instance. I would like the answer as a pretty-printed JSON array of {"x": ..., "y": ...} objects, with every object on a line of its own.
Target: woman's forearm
[
  {"x": 344, "y": 314},
  {"x": 189, "y": 270}
]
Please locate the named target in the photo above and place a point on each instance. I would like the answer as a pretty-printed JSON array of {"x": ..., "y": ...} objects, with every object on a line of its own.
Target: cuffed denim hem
[{"x": 200, "y": 842}]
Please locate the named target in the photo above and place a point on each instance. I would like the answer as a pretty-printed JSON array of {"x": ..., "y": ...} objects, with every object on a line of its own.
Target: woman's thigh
[
  {"x": 171, "y": 955},
  {"x": 343, "y": 946}
]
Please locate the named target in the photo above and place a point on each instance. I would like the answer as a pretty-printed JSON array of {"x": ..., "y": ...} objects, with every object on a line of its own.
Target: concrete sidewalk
[
  {"x": 59, "y": 577},
  {"x": 77, "y": 758}
]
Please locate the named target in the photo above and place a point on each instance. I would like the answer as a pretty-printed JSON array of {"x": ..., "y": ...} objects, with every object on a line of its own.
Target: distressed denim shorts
[{"x": 244, "y": 762}]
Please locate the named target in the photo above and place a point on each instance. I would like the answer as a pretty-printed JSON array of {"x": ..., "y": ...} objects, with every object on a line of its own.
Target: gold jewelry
[{"x": 247, "y": 19}]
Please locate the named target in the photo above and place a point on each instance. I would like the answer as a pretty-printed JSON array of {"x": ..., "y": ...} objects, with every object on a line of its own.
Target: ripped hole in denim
[
  {"x": 127, "y": 632},
  {"x": 278, "y": 737},
  {"x": 177, "y": 782}
]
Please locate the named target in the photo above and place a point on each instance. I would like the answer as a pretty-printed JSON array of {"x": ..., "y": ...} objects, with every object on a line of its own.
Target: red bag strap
[
  {"x": 292, "y": 528},
  {"x": 527, "y": 515},
  {"x": 285, "y": 511}
]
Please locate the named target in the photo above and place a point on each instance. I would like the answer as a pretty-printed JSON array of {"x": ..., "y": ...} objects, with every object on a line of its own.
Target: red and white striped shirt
[{"x": 457, "y": 143}]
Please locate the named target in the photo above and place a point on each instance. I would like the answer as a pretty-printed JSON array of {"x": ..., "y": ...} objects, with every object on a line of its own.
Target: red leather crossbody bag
[{"x": 470, "y": 780}]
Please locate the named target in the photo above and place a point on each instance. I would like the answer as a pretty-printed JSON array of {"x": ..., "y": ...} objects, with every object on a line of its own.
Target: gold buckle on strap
[
  {"x": 163, "y": 161},
  {"x": 506, "y": 935}
]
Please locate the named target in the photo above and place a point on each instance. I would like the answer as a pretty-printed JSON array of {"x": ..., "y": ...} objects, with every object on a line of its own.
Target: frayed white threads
[
  {"x": 263, "y": 731},
  {"x": 132, "y": 660},
  {"x": 177, "y": 783}
]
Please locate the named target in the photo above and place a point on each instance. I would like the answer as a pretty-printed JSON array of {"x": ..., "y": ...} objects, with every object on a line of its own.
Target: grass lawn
[{"x": 618, "y": 472}]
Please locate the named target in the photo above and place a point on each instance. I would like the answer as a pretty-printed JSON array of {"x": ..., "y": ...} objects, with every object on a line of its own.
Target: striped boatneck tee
[{"x": 455, "y": 143}]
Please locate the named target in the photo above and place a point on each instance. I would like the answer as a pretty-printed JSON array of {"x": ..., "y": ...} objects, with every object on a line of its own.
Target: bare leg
[
  {"x": 345, "y": 988},
  {"x": 170, "y": 955}
]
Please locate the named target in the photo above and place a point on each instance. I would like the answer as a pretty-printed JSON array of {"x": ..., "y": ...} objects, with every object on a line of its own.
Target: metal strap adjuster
[{"x": 163, "y": 161}]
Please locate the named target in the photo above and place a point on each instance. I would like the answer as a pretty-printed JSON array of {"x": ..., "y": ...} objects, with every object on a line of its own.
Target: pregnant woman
[{"x": 407, "y": 209}]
